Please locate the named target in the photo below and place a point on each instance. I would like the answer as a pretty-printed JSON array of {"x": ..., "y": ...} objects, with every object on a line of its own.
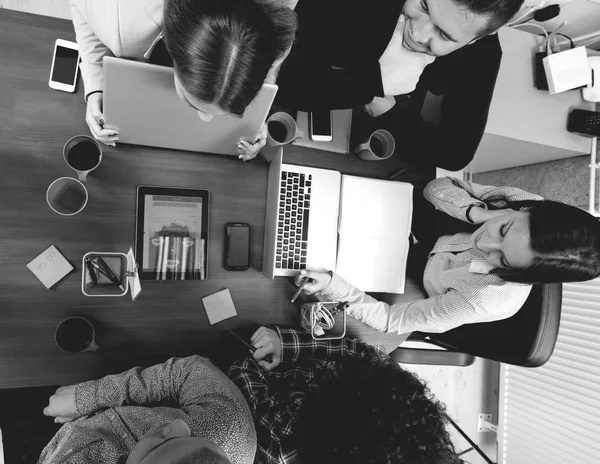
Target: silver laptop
[
  {"x": 301, "y": 220},
  {"x": 140, "y": 99}
]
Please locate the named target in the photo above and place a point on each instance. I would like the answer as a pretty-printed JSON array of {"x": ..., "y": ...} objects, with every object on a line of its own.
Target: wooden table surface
[{"x": 168, "y": 319}]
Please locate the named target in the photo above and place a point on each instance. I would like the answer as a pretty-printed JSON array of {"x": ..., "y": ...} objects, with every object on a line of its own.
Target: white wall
[{"x": 582, "y": 16}]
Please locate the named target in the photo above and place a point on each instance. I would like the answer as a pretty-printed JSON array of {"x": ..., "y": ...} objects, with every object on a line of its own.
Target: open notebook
[{"x": 373, "y": 233}]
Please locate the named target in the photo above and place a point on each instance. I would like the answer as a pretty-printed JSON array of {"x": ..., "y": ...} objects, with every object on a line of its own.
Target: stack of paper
[{"x": 373, "y": 233}]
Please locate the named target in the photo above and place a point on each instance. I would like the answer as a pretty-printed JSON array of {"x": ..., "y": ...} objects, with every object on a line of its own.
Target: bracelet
[{"x": 92, "y": 93}]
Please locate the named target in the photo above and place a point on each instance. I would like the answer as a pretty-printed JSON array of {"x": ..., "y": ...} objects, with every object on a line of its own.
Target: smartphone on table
[
  {"x": 237, "y": 246},
  {"x": 320, "y": 126},
  {"x": 65, "y": 66}
]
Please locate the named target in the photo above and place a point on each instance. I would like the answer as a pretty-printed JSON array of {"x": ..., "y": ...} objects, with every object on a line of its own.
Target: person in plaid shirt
[{"x": 338, "y": 401}]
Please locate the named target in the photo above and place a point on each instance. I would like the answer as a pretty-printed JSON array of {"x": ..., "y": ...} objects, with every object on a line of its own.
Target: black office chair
[{"x": 525, "y": 339}]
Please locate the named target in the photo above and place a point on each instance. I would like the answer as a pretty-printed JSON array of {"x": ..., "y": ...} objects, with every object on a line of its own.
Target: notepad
[
  {"x": 373, "y": 233},
  {"x": 219, "y": 306},
  {"x": 50, "y": 266}
]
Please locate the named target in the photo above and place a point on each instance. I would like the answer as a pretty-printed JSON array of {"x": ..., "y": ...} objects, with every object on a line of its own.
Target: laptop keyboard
[{"x": 292, "y": 220}]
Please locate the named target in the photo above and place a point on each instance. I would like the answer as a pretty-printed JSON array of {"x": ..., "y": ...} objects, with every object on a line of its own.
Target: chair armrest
[{"x": 431, "y": 356}]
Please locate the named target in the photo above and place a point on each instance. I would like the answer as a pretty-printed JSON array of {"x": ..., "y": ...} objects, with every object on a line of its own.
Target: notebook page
[{"x": 373, "y": 231}]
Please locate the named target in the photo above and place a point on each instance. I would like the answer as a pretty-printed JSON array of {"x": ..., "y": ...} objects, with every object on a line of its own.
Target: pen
[
  {"x": 267, "y": 358},
  {"x": 300, "y": 288},
  {"x": 396, "y": 174},
  {"x": 91, "y": 270},
  {"x": 112, "y": 278},
  {"x": 108, "y": 272}
]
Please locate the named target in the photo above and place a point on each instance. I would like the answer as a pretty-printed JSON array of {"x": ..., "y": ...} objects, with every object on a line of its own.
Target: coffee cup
[
  {"x": 379, "y": 146},
  {"x": 282, "y": 129},
  {"x": 75, "y": 335},
  {"x": 83, "y": 154},
  {"x": 67, "y": 196}
]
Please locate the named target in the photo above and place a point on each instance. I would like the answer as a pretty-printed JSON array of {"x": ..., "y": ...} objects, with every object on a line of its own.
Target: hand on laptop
[
  {"x": 401, "y": 68},
  {"x": 247, "y": 150},
  {"x": 95, "y": 121},
  {"x": 317, "y": 281}
]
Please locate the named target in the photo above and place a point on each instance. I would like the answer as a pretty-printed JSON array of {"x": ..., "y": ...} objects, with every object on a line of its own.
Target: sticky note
[
  {"x": 219, "y": 306},
  {"x": 50, "y": 266}
]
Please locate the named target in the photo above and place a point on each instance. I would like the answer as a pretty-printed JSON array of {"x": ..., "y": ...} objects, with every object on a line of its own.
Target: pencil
[
  {"x": 159, "y": 256},
  {"x": 184, "y": 249},
  {"x": 165, "y": 257},
  {"x": 196, "y": 258},
  {"x": 176, "y": 257},
  {"x": 202, "y": 259},
  {"x": 300, "y": 288}
]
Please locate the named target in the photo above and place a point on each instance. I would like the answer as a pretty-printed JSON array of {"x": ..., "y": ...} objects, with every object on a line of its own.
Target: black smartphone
[
  {"x": 236, "y": 256},
  {"x": 584, "y": 122},
  {"x": 320, "y": 126}
]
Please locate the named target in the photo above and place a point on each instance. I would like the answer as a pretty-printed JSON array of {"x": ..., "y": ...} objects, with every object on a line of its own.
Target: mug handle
[
  {"x": 363, "y": 146},
  {"x": 298, "y": 135},
  {"x": 82, "y": 175},
  {"x": 92, "y": 346}
]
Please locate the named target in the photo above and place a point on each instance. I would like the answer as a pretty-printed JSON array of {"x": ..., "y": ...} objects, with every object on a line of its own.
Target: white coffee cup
[{"x": 67, "y": 196}]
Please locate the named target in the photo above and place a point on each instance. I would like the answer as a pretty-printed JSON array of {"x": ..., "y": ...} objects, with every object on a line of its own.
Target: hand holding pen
[
  {"x": 312, "y": 281},
  {"x": 252, "y": 349}
]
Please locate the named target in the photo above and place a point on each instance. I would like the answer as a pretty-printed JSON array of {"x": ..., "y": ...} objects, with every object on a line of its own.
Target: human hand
[
  {"x": 380, "y": 105},
  {"x": 401, "y": 68},
  {"x": 479, "y": 215},
  {"x": 266, "y": 342},
  {"x": 61, "y": 405},
  {"x": 96, "y": 122},
  {"x": 247, "y": 150},
  {"x": 317, "y": 281}
]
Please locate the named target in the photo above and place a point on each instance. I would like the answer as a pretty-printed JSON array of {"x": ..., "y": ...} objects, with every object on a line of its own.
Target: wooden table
[{"x": 168, "y": 319}]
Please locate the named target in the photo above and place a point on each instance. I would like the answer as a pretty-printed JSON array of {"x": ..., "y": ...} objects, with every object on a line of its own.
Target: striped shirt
[
  {"x": 117, "y": 412},
  {"x": 276, "y": 397},
  {"x": 460, "y": 288}
]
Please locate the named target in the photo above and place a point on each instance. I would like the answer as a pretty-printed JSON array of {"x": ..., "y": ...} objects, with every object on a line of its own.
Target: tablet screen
[{"x": 171, "y": 233}]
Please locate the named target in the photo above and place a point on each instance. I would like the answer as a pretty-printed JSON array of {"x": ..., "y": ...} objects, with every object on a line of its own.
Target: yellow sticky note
[{"x": 50, "y": 266}]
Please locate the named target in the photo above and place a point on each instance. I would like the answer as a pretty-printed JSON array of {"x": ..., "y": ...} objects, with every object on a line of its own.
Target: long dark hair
[
  {"x": 565, "y": 240},
  {"x": 222, "y": 50},
  {"x": 372, "y": 412}
]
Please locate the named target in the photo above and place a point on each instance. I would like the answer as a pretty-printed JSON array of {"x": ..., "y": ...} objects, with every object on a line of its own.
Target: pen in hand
[
  {"x": 299, "y": 290},
  {"x": 252, "y": 349}
]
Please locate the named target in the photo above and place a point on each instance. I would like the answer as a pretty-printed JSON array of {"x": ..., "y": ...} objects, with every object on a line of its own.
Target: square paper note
[
  {"x": 50, "y": 266},
  {"x": 219, "y": 306}
]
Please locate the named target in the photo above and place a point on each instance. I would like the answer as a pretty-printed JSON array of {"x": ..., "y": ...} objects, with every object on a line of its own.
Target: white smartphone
[
  {"x": 65, "y": 66},
  {"x": 320, "y": 126}
]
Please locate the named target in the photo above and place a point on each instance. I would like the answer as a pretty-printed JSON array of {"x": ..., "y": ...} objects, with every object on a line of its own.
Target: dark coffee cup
[
  {"x": 282, "y": 129},
  {"x": 76, "y": 335},
  {"x": 83, "y": 154}
]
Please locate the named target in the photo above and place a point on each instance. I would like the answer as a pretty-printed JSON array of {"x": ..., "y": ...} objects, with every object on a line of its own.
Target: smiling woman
[{"x": 478, "y": 273}]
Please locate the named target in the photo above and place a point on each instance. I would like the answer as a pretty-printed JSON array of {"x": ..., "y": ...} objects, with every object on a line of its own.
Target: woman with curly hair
[{"x": 338, "y": 402}]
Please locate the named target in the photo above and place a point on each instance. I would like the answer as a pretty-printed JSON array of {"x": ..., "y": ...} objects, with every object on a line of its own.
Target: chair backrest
[{"x": 525, "y": 339}]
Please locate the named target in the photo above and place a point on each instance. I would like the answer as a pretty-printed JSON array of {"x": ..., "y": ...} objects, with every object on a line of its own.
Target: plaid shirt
[
  {"x": 460, "y": 288},
  {"x": 275, "y": 398}
]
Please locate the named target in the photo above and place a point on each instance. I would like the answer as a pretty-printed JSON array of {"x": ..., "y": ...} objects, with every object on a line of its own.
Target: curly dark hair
[{"x": 373, "y": 413}]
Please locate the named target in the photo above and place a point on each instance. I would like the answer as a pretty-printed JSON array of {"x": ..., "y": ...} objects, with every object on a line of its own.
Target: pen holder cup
[
  {"x": 117, "y": 262},
  {"x": 319, "y": 327}
]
